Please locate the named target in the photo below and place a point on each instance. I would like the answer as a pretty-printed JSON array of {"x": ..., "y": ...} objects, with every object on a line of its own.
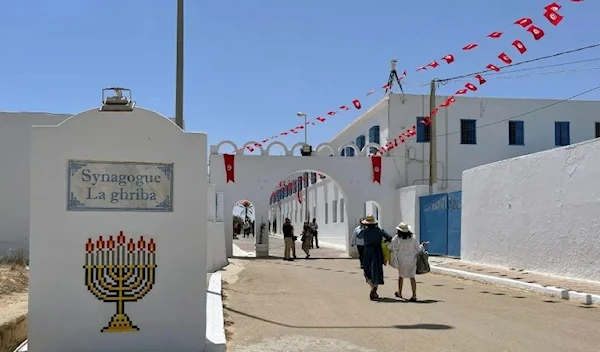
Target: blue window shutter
[
  {"x": 350, "y": 151},
  {"x": 374, "y": 134},
  {"x": 557, "y": 133},
  {"x": 360, "y": 142},
  {"x": 420, "y": 130},
  {"x": 565, "y": 134},
  {"x": 343, "y": 153},
  {"x": 519, "y": 133},
  {"x": 473, "y": 131}
]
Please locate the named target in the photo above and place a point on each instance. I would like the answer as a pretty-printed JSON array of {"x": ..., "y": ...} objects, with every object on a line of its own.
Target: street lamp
[
  {"x": 303, "y": 115},
  {"x": 306, "y": 149}
]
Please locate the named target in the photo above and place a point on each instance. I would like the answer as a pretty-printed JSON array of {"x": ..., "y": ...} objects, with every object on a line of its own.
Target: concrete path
[
  {"x": 322, "y": 305},
  {"x": 276, "y": 248}
]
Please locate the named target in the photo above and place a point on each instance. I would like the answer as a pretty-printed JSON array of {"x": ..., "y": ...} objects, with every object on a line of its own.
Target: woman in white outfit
[{"x": 404, "y": 248}]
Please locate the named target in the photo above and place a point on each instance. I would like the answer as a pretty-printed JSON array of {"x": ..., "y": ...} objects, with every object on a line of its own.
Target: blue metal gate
[
  {"x": 454, "y": 206},
  {"x": 440, "y": 223},
  {"x": 434, "y": 223}
]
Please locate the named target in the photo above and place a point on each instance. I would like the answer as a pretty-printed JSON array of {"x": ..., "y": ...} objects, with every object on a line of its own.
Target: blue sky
[{"x": 251, "y": 65}]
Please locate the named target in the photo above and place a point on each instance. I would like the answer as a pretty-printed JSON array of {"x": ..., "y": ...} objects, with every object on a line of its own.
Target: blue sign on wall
[{"x": 119, "y": 186}]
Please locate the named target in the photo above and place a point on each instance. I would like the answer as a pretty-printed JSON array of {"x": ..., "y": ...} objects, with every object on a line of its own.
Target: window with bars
[
  {"x": 360, "y": 142},
  {"x": 423, "y": 131},
  {"x": 597, "y": 129},
  {"x": 515, "y": 133},
  {"x": 374, "y": 134},
  {"x": 468, "y": 131}
]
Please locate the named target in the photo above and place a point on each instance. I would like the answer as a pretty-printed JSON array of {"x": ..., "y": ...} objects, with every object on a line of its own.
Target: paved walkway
[
  {"x": 521, "y": 275},
  {"x": 276, "y": 248},
  {"x": 322, "y": 306}
]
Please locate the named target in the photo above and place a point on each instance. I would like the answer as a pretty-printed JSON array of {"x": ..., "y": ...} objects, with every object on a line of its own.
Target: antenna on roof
[{"x": 394, "y": 78}]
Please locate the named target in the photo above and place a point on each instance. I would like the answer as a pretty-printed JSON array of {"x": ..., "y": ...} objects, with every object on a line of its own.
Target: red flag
[
  {"x": 356, "y": 104},
  {"x": 299, "y": 127},
  {"x": 461, "y": 91},
  {"x": 331, "y": 113},
  {"x": 344, "y": 107},
  {"x": 283, "y": 134},
  {"x": 371, "y": 92},
  {"x": 387, "y": 86},
  {"x": 495, "y": 35},
  {"x": 493, "y": 67},
  {"x": 322, "y": 119},
  {"x": 553, "y": 17},
  {"x": 470, "y": 46},
  {"x": 449, "y": 58},
  {"x": 250, "y": 149},
  {"x": 376, "y": 164},
  {"x": 449, "y": 101},
  {"x": 481, "y": 79},
  {"x": 524, "y": 22},
  {"x": 403, "y": 75},
  {"x": 265, "y": 140},
  {"x": 229, "y": 160},
  {"x": 552, "y": 7},
  {"x": 537, "y": 32},
  {"x": 520, "y": 46},
  {"x": 470, "y": 87},
  {"x": 433, "y": 64},
  {"x": 293, "y": 131},
  {"x": 507, "y": 60},
  {"x": 422, "y": 68}
]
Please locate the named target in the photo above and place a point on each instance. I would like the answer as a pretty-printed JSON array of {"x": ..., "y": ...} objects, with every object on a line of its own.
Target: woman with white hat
[
  {"x": 404, "y": 248},
  {"x": 372, "y": 236}
]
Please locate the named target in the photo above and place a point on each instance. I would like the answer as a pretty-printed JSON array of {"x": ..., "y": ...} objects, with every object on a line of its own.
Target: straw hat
[
  {"x": 369, "y": 220},
  {"x": 403, "y": 227}
]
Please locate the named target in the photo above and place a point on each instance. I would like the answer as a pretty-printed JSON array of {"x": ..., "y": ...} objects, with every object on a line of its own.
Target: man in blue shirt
[{"x": 358, "y": 241}]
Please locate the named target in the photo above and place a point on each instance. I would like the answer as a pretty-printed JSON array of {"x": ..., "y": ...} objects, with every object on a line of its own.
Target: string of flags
[
  {"x": 551, "y": 14},
  {"x": 295, "y": 186}
]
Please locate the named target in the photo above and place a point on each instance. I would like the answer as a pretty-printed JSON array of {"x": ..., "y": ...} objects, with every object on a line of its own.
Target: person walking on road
[
  {"x": 288, "y": 239},
  {"x": 359, "y": 242},
  {"x": 315, "y": 233},
  {"x": 307, "y": 237},
  {"x": 372, "y": 235},
  {"x": 405, "y": 248}
]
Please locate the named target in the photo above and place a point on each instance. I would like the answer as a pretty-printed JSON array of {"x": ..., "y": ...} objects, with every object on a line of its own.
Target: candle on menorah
[{"x": 120, "y": 271}]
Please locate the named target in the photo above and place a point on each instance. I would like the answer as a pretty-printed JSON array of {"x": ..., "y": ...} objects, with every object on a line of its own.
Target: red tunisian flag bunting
[
  {"x": 376, "y": 164},
  {"x": 229, "y": 160}
]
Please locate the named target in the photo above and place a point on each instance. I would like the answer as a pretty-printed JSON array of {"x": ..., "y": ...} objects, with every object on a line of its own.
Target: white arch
[
  {"x": 285, "y": 149},
  {"x": 324, "y": 146},
  {"x": 350, "y": 145},
  {"x": 252, "y": 144},
  {"x": 299, "y": 144},
  {"x": 365, "y": 150},
  {"x": 231, "y": 143}
]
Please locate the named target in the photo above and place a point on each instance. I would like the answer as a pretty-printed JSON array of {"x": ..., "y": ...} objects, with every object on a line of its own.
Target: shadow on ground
[{"x": 423, "y": 326}]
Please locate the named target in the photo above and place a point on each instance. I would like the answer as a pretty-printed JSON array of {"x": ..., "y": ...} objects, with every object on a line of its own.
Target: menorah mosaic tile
[{"x": 119, "y": 270}]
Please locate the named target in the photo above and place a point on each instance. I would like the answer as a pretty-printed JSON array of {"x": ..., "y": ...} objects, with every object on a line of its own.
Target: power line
[
  {"x": 445, "y": 80},
  {"x": 529, "y": 112},
  {"x": 496, "y": 74}
]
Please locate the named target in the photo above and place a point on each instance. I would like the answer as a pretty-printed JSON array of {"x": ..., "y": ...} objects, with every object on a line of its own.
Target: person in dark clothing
[
  {"x": 372, "y": 236},
  {"x": 288, "y": 239},
  {"x": 314, "y": 227},
  {"x": 274, "y": 225}
]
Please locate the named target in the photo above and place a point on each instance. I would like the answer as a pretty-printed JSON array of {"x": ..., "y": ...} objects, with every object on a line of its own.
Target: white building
[
  {"x": 471, "y": 132},
  {"x": 15, "y": 139}
]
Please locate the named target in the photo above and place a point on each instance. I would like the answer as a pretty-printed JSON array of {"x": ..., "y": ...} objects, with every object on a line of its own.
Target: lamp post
[
  {"x": 303, "y": 115},
  {"x": 179, "y": 67}
]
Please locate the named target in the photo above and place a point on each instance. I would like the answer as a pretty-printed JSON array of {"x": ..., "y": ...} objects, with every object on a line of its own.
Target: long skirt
[{"x": 373, "y": 265}]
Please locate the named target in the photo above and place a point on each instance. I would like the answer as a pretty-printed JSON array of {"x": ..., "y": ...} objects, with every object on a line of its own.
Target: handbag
[
  {"x": 386, "y": 252},
  {"x": 423, "y": 263}
]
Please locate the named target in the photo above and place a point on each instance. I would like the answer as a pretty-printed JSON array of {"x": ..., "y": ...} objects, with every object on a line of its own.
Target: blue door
[
  {"x": 434, "y": 223},
  {"x": 454, "y": 206}
]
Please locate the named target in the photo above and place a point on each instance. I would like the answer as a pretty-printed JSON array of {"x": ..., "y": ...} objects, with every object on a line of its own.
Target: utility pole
[
  {"x": 432, "y": 138},
  {"x": 179, "y": 67}
]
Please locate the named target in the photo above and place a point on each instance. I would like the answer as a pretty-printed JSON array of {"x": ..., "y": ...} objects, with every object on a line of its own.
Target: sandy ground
[
  {"x": 322, "y": 305},
  {"x": 13, "y": 292}
]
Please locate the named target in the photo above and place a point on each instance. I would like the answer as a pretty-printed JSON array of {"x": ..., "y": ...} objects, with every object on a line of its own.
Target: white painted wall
[
  {"x": 412, "y": 158},
  {"x": 408, "y": 198},
  {"x": 57, "y": 291},
  {"x": 216, "y": 255},
  {"x": 15, "y": 141},
  {"x": 537, "y": 212}
]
